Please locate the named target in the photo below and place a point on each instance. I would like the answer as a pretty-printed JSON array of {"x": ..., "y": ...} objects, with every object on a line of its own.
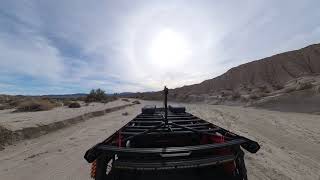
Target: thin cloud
[{"x": 72, "y": 46}]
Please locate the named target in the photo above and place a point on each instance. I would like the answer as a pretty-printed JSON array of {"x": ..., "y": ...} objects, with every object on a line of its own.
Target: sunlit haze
[
  {"x": 60, "y": 47},
  {"x": 169, "y": 49}
]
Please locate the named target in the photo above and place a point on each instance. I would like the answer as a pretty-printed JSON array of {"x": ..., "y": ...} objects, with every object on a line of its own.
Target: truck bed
[{"x": 152, "y": 144}]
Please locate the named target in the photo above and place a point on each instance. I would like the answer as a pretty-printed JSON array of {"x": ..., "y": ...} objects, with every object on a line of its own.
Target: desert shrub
[
  {"x": 255, "y": 90},
  {"x": 317, "y": 89},
  {"x": 277, "y": 87},
  {"x": 289, "y": 89},
  {"x": 245, "y": 98},
  {"x": 264, "y": 89},
  {"x": 126, "y": 100},
  {"x": 267, "y": 91},
  {"x": 125, "y": 114},
  {"x": 235, "y": 95},
  {"x": 136, "y": 102},
  {"x": 74, "y": 105},
  {"x": 35, "y": 105},
  {"x": 4, "y": 106},
  {"x": 253, "y": 96},
  {"x": 9, "y": 102},
  {"x": 82, "y": 98},
  {"x": 304, "y": 85},
  {"x": 223, "y": 94},
  {"x": 109, "y": 99},
  {"x": 15, "y": 102},
  {"x": 261, "y": 94},
  {"x": 55, "y": 102},
  {"x": 66, "y": 102},
  {"x": 105, "y": 101},
  {"x": 96, "y": 95}
]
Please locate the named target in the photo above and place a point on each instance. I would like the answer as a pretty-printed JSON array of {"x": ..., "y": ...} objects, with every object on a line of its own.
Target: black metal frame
[{"x": 181, "y": 125}]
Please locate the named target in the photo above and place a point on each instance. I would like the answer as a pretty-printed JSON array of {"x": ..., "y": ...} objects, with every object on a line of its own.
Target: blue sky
[{"x": 58, "y": 47}]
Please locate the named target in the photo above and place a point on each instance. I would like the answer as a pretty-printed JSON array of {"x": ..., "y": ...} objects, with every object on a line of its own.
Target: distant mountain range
[{"x": 62, "y": 96}]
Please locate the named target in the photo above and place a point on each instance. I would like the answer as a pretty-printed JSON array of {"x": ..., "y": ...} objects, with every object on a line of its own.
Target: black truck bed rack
[
  {"x": 142, "y": 124},
  {"x": 169, "y": 138}
]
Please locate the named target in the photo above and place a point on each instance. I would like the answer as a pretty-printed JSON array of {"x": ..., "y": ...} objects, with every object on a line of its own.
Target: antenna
[{"x": 165, "y": 92}]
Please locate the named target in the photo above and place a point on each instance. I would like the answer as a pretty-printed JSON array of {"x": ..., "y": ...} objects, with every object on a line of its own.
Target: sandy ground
[
  {"x": 16, "y": 121},
  {"x": 59, "y": 155},
  {"x": 290, "y": 144}
]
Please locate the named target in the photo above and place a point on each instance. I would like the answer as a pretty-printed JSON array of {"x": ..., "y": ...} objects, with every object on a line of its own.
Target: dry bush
[
  {"x": 15, "y": 102},
  {"x": 125, "y": 114},
  {"x": 136, "y": 102},
  {"x": 74, "y": 105},
  {"x": 253, "y": 96},
  {"x": 4, "y": 99},
  {"x": 303, "y": 85},
  {"x": 82, "y": 98},
  {"x": 245, "y": 97},
  {"x": 66, "y": 102},
  {"x": 9, "y": 102},
  {"x": 256, "y": 90},
  {"x": 222, "y": 94},
  {"x": 317, "y": 89},
  {"x": 98, "y": 95},
  {"x": 289, "y": 89},
  {"x": 225, "y": 93},
  {"x": 126, "y": 100},
  {"x": 277, "y": 87},
  {"x": 35, "y": 105},
  {"x": 235, "y": 95},
  {"x": 109, "y": 99},
  {"x": 265, "y": 89},
  {"x": 264, "y": 94},
  {"x": 5, "y": 106}
]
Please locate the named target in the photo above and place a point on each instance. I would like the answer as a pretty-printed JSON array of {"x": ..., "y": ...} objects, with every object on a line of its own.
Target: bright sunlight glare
[{"x": 169, "y": 49}]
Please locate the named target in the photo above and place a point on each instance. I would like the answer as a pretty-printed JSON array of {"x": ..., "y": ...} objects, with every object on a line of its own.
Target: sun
[{"x": 169, "y": 49}]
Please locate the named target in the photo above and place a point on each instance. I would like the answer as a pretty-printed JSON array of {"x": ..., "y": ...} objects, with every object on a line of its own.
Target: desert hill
[
  {"x": 272, "y": 72},
  {"x": 256, "y": 82}
]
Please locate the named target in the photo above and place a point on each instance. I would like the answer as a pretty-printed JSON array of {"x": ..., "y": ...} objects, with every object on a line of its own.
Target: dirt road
[
  {"x": 59, "y": 155},
  {"x": 290, "y": 144}
]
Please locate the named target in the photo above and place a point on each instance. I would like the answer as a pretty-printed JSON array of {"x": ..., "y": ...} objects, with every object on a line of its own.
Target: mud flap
[
  {"x": 101, "y": 167},
  {"x": 241, "y": 165}
]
